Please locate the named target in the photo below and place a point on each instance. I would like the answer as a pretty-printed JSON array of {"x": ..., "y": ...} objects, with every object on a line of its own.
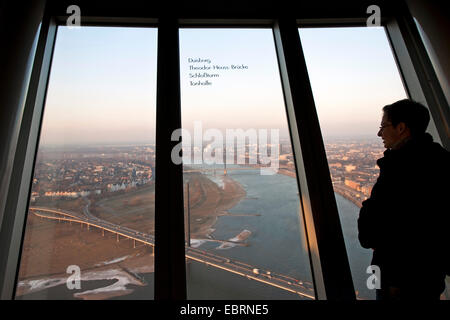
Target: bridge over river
[{"x": 265, "y": 276}]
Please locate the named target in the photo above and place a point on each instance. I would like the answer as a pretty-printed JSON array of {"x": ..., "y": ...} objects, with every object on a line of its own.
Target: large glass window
[
  {"x": 245, "y": 233},
  {"x": 353, "y": 75},
  {"x": 90, "y": 224}
]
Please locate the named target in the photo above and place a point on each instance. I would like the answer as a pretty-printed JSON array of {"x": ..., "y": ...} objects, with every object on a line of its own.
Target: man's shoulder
[
  {"x": 434, "y": 165},
  {"x": 416, "y": 152},
  {"x": 440, "y": 149},
  {"x": 438, "y": 153},
  {"x": 424, "y": 146}
]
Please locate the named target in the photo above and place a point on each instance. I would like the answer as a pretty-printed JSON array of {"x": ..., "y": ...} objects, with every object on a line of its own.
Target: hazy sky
[
  {"x": 102, "y": 86},
  {"x": 103, "y": 82},
  {"x": 239, "y": 98},
  {"x": 353, "y": 75}
]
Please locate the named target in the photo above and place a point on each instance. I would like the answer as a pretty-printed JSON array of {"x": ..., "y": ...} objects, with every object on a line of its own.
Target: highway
[
  {"x": 265, "y": 276},
  {"x": 221, "y": 169}
]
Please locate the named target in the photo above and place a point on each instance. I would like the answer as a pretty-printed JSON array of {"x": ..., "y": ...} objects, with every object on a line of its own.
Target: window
[
  {"x": 245, "y": 235},
  {"x": 353, "y": 75},
  {"x": 90, "y": 225},
  {"x": 93, "y": 149}
]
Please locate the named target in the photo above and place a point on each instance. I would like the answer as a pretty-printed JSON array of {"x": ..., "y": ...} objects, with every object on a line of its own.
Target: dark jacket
[{"x": 406, "y": 218}]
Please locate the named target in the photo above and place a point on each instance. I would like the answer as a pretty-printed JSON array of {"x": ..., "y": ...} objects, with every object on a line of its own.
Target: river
[{"x": 277, "y": 243}]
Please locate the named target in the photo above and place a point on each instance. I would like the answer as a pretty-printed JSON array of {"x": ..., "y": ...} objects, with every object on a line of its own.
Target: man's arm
[
  {"x": 375, "y": 217},
  {"x": 367, "y": 224}
]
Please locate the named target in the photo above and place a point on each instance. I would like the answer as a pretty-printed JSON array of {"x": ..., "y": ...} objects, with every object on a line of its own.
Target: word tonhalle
[{"x": 213, "y": 153}]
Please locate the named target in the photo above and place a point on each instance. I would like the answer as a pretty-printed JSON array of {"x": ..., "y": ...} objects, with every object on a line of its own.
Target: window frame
[
  {"x": 17, "y": 201},
  {"x": 328, "y": 256}
]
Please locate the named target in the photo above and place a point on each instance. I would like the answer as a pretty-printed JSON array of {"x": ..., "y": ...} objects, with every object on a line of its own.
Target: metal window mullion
[
  {"x": 417, "y": 72},
  {"x": 170, "y": 266},
  {"x": 19, "y": 189},
  {"x": 329, "y": 262}
]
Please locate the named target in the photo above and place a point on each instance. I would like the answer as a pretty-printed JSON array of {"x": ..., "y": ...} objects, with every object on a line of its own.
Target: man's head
[{"x": 403, "y": 119}]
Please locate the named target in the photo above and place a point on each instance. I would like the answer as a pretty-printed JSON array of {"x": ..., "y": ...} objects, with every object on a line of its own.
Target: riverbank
[
  {"x": 341, "y": 190},
  {"x": 208, "y": 200},
  {"x": 347, "y": 194}
]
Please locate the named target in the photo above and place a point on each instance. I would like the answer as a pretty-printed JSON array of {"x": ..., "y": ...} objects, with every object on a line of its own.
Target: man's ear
[{"x": 402, "y": 128}]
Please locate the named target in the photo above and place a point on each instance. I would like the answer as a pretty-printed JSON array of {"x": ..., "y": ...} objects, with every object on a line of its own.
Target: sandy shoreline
[
  {"x": 124, "y": 274},
  {"x": 208, "y": 201}
]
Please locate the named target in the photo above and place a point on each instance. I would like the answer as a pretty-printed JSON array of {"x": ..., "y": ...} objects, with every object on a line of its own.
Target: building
[{"x": 352, "y": 184}]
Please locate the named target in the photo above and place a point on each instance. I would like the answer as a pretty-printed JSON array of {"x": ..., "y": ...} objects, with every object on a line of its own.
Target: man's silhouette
[{"x": 406, "y": 219}]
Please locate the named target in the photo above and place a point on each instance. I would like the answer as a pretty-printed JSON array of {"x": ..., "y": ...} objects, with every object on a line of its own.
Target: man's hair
[{"x": 414, "y": 114}]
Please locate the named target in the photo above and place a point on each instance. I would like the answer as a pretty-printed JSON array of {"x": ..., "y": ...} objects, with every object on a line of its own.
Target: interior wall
[{"x": 434, "y": 25}]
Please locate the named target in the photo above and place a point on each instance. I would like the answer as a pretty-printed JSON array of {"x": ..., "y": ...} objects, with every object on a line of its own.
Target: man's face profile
[{"x": 388, "y": 133}]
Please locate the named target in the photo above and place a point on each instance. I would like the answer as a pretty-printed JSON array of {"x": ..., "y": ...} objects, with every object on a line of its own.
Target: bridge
[
  {"x": 218, "y": 169},
  {"x": 208, "y": 258},
  {"x": 225, "y": 169}
]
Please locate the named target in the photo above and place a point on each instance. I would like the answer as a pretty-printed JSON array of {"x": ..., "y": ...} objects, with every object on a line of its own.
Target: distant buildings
[
  {"x": 352, "y": 184},
  {"x": 353, "y": 167},
  {"x": 83, "y": 172},
  {"x": 91, "y": 172}
]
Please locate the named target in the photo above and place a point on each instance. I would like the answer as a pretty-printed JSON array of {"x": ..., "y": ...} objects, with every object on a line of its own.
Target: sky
[
  {"x": 102, "y": 86},
  {"x": 240, "y": 98},
  {"x": 353, "y": 74}
]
